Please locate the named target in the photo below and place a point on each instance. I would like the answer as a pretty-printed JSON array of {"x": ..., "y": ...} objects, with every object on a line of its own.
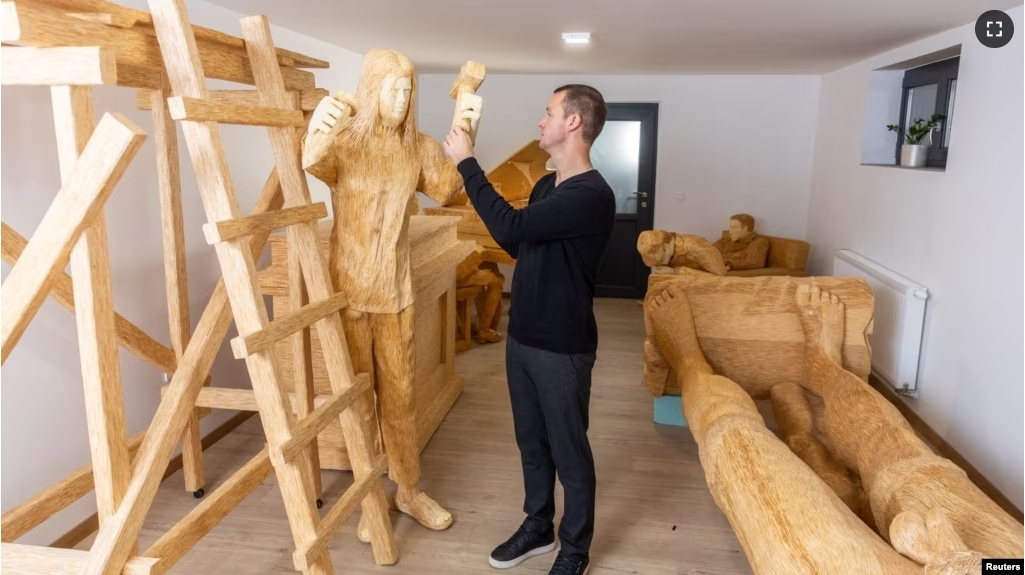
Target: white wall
[
  {"x": 44, "y": 433},
  {"x": 958, "y": 232},
  {"x": 728, "y": 143}
]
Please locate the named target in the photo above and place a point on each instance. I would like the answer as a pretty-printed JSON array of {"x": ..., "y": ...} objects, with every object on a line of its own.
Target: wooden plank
[
  {"x": 233, "y": 229},
  {"x": 110, "y": 150},
  {"x": 89, "y": 525},
  {"x": 339, "y": 513},
  {"x": 94, "y": 314},
  {"x": 308, "y": 427},
  {"x": 40, "y": 25},
  {"x": 126, "y": 17},
  {"x": 308, "y": 99},
  {"x": 174, "y": 409},
  {"x": 286, "y": 148},
  {"x": 34, "y": 560},
  {"x": 239, "y": 399},
  {"x": 174, "y": 544},
  {"x": 128, "y": 334},
  {"x": 279, "y": 329},
  {"x": 64, "y": 66},
  {"x": 175, "y": 269},
  {"x": 228, "y": 113},
  {"x": 33, "y": 512}
]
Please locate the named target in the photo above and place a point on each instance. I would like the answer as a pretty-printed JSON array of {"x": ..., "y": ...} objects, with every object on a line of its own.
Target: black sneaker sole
[{"x": 514, "y": 562}]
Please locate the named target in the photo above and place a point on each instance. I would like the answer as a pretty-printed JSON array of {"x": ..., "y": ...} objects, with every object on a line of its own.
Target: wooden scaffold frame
[{"x": 72, "y": 45}]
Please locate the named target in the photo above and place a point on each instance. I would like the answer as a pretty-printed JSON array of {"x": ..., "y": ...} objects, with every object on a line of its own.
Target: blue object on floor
[{"x": 669, "y": 411}]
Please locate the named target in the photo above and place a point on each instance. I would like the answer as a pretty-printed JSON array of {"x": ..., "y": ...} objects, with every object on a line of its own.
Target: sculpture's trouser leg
[
  {"x": 359, "y": 336},
  {"x": 550, "y": 395}
]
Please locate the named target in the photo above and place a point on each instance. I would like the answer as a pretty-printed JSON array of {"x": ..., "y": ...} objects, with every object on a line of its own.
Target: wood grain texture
[
  {"x": 175, "y": 267},
  {"x": 308, "y": 98},
  {"x": 111, "y": 148},
  {"x": 749, "y": 331},
  {"x": 285, "y": 145},
  {"x": 197, "y": 110},
  {"x": 35, "y": 560},
  {"x": 249, "y": 225},
  {"x": 129, "y": 335},
  {"x": 308, "y": 427},
  {"x": 41, "y": 25},
  {"x": 64, "y": 66}
]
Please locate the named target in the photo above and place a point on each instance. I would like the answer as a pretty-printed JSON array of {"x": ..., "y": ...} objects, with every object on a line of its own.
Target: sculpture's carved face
[
  {"x": 656, "y": 247},
  {"x": 737, "y": 231},
  {"x": 394, "y": 104}
]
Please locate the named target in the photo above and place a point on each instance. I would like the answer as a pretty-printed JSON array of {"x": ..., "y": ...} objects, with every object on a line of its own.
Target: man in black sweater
[{"x": 558, "y": 241}]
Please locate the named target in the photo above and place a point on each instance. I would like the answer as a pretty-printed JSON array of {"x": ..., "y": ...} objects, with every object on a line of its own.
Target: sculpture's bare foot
[
  {"x": 673, "y": 325},
  {"x": 421, "y": 507},
  {"x": 488, "y": 336},
  {"x": 822, "y": 319}
]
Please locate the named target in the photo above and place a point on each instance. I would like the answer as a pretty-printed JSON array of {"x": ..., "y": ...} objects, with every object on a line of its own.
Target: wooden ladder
[{"x": 238, "y": 240}]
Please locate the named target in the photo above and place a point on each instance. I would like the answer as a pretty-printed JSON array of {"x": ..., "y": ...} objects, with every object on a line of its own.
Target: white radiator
[{"x": 896, "y": 339}]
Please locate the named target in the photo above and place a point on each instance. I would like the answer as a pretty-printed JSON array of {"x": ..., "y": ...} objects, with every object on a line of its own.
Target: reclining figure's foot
[
  {"x": 822, "y": 320},
  {"x": 673, "y": 325}
]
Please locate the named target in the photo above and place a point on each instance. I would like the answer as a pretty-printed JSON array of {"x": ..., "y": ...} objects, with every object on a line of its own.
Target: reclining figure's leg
[
  {"x": 787, "y": 520},
  {"x": 897, "y": 469}
]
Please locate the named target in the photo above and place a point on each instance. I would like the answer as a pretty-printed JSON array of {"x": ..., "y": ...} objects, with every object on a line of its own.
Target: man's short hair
[{"x": 589, "y": 103}]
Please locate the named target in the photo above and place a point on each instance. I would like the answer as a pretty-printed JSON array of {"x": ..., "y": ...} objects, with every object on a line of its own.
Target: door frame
[{"x": 647, "y": 114}]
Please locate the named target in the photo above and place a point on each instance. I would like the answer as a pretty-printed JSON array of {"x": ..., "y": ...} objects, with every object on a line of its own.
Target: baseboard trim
[
  {"x": 943, "y": 448},
  {"x": 91, "y": 524}
]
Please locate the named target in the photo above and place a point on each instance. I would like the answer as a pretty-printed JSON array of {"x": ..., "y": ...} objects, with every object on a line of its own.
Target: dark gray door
[{"x": 624, "y": 153}]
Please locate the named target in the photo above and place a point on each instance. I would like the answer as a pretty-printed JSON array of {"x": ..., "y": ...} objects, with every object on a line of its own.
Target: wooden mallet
[{"x": 470, "y": 77}]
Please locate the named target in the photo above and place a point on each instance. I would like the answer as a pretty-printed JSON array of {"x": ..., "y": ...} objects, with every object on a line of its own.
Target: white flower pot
[{"x": 913, "y": 155}]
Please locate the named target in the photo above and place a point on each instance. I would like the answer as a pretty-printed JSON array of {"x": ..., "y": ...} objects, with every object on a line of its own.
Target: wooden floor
[{"x": 655, "y": 515}]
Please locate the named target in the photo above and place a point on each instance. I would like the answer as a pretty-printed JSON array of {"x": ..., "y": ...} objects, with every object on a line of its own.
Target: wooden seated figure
[
  {"x": 475, "y": 272},
  {"x": 669, "y": 252},
  {"x": 749, "y": 254},
  {"x": 745, "y": 249}
]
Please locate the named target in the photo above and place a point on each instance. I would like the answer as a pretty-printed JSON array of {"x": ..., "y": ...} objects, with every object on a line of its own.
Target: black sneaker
[
  {"x": 569, "y": 565},
  {"x": 523, "y": 545}
]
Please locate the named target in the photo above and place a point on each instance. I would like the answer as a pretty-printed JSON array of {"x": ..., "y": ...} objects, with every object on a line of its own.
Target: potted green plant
[{"x": 913, "y": 151}]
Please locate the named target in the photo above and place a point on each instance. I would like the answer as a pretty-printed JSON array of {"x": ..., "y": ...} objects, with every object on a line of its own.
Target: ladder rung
[
  {"x": 279, "y": 329},
  {"x": 310, "y": 426},
  {"x": 240, "y": 399},
  {"x": 227, "y": 230},
  {"x": 199, "y": 110},
  {"x": 338, "y": 514}
]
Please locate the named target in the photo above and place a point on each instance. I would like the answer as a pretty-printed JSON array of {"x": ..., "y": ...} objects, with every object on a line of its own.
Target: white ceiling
[{"x": 627, "y": 36}]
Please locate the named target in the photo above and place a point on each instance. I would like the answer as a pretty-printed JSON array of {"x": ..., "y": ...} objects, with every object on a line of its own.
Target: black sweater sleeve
[{"x": 569, "y": 212}]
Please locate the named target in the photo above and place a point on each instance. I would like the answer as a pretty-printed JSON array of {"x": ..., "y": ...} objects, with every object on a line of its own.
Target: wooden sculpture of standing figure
[{"x": 371, "y": 155}]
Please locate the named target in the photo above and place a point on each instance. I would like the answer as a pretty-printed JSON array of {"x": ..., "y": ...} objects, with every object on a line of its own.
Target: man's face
[
  {"x": 737, "y": 231},
  {"x": 395, "y": 94},
  {"x": 553, "y": 124}
]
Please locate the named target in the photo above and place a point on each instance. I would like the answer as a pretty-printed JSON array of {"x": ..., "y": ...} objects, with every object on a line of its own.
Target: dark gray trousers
[{"x": 550, "y": 394}]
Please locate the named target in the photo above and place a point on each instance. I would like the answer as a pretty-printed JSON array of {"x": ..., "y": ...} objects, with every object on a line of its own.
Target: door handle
[{"x": 641, "y": 194}]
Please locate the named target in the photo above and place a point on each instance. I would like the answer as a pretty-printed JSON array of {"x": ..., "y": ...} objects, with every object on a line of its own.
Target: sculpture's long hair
[{"x": 377, "y": 66}]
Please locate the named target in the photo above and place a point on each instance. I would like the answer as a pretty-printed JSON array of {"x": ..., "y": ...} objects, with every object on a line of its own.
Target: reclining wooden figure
[
  {"x": 788, "y": 518},
  {"x": 371, "y": 155}
]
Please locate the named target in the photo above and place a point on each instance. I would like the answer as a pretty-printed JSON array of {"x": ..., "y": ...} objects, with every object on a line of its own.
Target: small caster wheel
[
  {"x": 199, "y": 494},
  {"x": 320, "y": 503}
]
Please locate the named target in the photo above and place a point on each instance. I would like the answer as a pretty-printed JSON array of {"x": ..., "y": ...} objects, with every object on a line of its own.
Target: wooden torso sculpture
[
  {"x": 745, "y": 250},
  {"x": 371, "y": 155}
]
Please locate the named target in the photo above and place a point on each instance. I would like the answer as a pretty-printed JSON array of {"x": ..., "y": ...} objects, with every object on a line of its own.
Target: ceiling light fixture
[{"x": 576, "y": 37}]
